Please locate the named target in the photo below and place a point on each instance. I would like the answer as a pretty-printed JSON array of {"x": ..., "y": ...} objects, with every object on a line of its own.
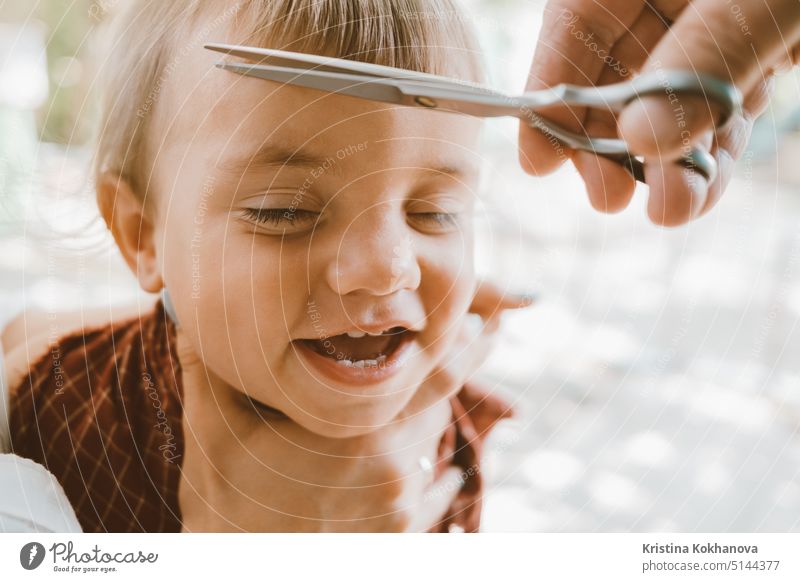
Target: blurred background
[{"x": 657, "y": 377}]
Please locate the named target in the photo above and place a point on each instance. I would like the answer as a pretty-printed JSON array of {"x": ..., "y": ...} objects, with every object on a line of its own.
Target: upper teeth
[{"x": 361, "y": 334}]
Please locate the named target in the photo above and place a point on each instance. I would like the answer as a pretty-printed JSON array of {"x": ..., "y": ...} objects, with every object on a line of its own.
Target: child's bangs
[
  {"x": 428, "y": 36},
  {"x": 150, "y": 38}
]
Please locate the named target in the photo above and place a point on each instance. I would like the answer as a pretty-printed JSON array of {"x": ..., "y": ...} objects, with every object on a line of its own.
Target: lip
[{"x": 355, "y": 376}]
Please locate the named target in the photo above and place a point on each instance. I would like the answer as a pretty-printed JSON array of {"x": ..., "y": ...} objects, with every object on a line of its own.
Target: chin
[{"x": 346, "y": 425}]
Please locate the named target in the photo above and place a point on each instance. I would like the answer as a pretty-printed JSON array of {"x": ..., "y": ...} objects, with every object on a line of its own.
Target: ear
[{"x": 132, "y": 227}]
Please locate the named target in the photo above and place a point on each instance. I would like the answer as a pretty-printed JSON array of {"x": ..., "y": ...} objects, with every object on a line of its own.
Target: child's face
[{"x": 367, "y": 227}]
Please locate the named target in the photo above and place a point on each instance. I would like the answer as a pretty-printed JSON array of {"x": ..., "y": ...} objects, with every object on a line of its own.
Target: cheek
[
  {"x": 237, "y": 294},
  {"x": 254, "y": 277},
  {"x": 265, "y": 289},
  {"x": 190, "y": 259},
  {"x": 448, "y": 280}
]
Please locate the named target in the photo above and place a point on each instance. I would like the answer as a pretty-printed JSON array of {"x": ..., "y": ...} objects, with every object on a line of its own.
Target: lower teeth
[{"x": 379, "y": 362}]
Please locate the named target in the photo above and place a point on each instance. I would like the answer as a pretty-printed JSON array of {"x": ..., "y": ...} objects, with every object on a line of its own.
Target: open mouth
[{"x": 359, "y": 349}]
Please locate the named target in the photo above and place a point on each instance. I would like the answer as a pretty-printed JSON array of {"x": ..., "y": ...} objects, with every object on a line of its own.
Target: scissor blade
[
  {"x": 353, "y": 85},
  {"x": 453, "y": 98},
  {"x": 280, "y": 58},
  {"x": 478, "y": 102}
]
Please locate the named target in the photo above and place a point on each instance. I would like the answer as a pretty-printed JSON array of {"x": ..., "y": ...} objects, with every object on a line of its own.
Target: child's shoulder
[
  {"x": 95, "y": 398},
  {"x": 29, "y": 337}
]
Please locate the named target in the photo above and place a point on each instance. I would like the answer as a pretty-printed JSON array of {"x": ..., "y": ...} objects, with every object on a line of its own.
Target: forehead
[{"x": 231, "y": 117}]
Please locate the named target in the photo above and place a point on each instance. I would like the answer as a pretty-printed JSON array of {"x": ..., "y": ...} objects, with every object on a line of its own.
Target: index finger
[{"x": 574, "y": 34}]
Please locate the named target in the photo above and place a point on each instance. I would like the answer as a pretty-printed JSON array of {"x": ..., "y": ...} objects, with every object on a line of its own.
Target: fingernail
[
  {"x": 527, "y": 298},
  {"x": 698, "y": 189}
]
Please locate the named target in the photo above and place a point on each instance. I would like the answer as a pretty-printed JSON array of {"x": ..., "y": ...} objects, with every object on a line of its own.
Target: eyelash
[
  {"x": 278, "y": 216},
  {"x": 438, "y": 218}
]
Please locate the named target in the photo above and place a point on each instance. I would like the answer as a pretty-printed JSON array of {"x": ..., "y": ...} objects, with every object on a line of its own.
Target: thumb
[
  {"x": 735, "y": 42},
  {"x": 490, "y": 298}
]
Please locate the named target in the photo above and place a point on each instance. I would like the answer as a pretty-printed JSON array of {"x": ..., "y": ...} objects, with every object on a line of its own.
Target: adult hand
[
  {"x": 475, "y": 340},
  {"x": 597, "y": 42},
  {"x": 249, "y": 468}
]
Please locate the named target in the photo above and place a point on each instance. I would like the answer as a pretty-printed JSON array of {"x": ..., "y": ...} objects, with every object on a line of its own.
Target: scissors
[{"x": 415, "y": 89}]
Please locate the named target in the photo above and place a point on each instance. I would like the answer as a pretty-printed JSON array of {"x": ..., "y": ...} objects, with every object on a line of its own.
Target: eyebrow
[
  {"x": 273, "y": 156},
  {"x": 454, "y": 170}
]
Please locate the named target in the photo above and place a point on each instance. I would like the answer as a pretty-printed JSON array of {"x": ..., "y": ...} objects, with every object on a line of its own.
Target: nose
[{"x": 376, "y": 255}]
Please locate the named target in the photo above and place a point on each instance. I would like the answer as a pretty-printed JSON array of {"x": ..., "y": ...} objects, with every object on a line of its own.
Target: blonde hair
[{"x": 148, "y": 38}]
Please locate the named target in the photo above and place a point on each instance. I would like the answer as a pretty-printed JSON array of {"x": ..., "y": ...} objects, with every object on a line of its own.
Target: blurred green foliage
[{"x": 66, "y": 115}]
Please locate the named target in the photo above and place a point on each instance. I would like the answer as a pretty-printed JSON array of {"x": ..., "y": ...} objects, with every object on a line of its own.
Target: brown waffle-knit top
[{"x": 102, "y": 411}]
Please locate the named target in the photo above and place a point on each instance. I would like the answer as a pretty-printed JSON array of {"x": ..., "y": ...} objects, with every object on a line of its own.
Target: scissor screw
[{"x": 425, "y": 101}]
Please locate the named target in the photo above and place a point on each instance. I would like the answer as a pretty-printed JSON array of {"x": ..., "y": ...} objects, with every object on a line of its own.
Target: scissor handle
[
  {"x": 616, "y": 96},
  {"x": 697, "y": 160},
  {"x": 659, "y": 82}
]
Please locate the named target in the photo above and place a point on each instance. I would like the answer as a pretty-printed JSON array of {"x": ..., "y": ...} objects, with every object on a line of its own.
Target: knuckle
[
  {"x": 733, "y": 139},
  {"x": 758, "y": 99}
]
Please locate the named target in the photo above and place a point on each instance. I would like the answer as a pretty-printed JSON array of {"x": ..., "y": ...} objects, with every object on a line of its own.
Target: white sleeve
[{"x": 32, "y": 500}]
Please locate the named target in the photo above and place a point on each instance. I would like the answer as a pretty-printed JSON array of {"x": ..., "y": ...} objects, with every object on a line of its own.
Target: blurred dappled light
[{"x": 658, "y": 376}]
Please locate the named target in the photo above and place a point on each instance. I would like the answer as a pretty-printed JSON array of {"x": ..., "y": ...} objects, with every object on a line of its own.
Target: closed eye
[
  {"x": 442, "y": 218},
  {"x": 279, "y": 216},
  {"x": 286, "y": 218},
  {"x": 434, "y": 222}
]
